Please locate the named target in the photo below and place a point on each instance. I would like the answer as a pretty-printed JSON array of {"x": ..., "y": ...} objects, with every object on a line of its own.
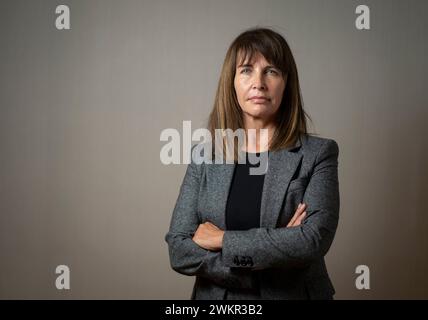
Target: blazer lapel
[
  {"x": 281, "y": 167},
  {"x": 223, "y": 181}
]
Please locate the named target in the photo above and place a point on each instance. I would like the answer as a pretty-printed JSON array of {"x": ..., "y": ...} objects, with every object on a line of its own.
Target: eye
[
  {"x": 245, "y": 70},
  {"x": 273, "y": 71}
]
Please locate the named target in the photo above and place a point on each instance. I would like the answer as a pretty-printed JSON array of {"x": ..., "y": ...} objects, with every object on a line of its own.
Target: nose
[{"x": 259, "y": 81}]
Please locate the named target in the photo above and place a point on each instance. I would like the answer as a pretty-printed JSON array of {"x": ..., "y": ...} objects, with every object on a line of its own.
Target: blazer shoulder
[{"x": 316, "y": 144}]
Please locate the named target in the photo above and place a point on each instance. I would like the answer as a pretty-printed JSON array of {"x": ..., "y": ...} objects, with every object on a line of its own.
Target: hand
[
  {"x": 209, "y": 236},
  {"x": 298, "y": 217}
]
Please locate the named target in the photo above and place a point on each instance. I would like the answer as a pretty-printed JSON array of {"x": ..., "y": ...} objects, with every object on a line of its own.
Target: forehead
[{"x": 250, "y": 58}]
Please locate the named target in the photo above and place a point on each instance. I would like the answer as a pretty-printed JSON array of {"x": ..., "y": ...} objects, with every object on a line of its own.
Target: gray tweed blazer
[{"x": 288, "y": 263}]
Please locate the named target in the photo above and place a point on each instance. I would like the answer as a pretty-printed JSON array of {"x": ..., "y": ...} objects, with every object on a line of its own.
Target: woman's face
[{"x": 259, "y": 87}]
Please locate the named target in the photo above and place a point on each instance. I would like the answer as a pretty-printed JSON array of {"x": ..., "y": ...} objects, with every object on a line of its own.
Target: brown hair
[{"x": 227, "y": 113}]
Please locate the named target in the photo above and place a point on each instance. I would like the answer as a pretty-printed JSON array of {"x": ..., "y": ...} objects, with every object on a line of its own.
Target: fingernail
[{"x": 299, "y": 205}]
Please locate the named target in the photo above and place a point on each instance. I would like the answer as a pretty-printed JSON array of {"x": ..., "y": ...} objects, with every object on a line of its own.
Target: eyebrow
[{"x": 250, "y": 65}]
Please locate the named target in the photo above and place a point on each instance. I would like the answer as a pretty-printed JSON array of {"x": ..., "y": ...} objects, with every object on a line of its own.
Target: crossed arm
[
  {"x": 205, "y": 250},
  {"x": 210, "y": 237}
]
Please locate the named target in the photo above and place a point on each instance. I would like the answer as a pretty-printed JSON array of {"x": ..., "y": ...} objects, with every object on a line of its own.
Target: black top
[{"x": 243, "y": 204}]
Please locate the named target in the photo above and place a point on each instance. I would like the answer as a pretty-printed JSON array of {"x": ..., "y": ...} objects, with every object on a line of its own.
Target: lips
[{"x": 259, "y": 98}]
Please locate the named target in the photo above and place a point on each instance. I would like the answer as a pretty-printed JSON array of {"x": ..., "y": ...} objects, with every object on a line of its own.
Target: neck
[{"x": 260, "y": 136}]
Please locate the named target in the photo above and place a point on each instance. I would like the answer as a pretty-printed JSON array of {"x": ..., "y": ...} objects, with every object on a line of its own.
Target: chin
[
  {"x": 258, "y": 111},
  {"x": 258, "y": 115}
]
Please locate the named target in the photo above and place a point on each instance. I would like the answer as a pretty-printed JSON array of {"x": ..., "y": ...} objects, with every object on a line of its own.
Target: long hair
[{"x": 227, "y": 113}]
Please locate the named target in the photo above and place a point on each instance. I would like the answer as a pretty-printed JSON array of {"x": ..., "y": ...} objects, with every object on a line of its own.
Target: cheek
[
  {"x": 278, "y": 93},
  {"x": 239, "y": 90}
]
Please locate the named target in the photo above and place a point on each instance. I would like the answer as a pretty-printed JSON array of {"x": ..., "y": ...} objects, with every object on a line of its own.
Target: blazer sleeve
[
  {"x": 186, "y": 257},
  {"x": 291, "y": 246}
]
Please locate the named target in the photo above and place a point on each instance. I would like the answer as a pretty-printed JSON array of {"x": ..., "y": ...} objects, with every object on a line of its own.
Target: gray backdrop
[{"x": 81, "y": 182}]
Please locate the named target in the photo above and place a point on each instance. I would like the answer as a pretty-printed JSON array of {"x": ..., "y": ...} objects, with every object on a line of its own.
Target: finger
[
  {"x": 212, "y": 225},
  {"x": 296, "y": 213},
  {"x": 299, "y": 220},
  {"x": 296, "y": 221},
  {"x": 207, "y": 224},
  {"x": 293, "y": 219},
  {"x": 299, "y": 211}
]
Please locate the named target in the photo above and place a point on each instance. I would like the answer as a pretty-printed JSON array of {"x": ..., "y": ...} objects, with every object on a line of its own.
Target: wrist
[{"x": 221, "y": 235}]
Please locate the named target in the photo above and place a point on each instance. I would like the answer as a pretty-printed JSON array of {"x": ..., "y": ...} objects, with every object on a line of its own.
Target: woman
[{"x": 259, "y": 236}]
